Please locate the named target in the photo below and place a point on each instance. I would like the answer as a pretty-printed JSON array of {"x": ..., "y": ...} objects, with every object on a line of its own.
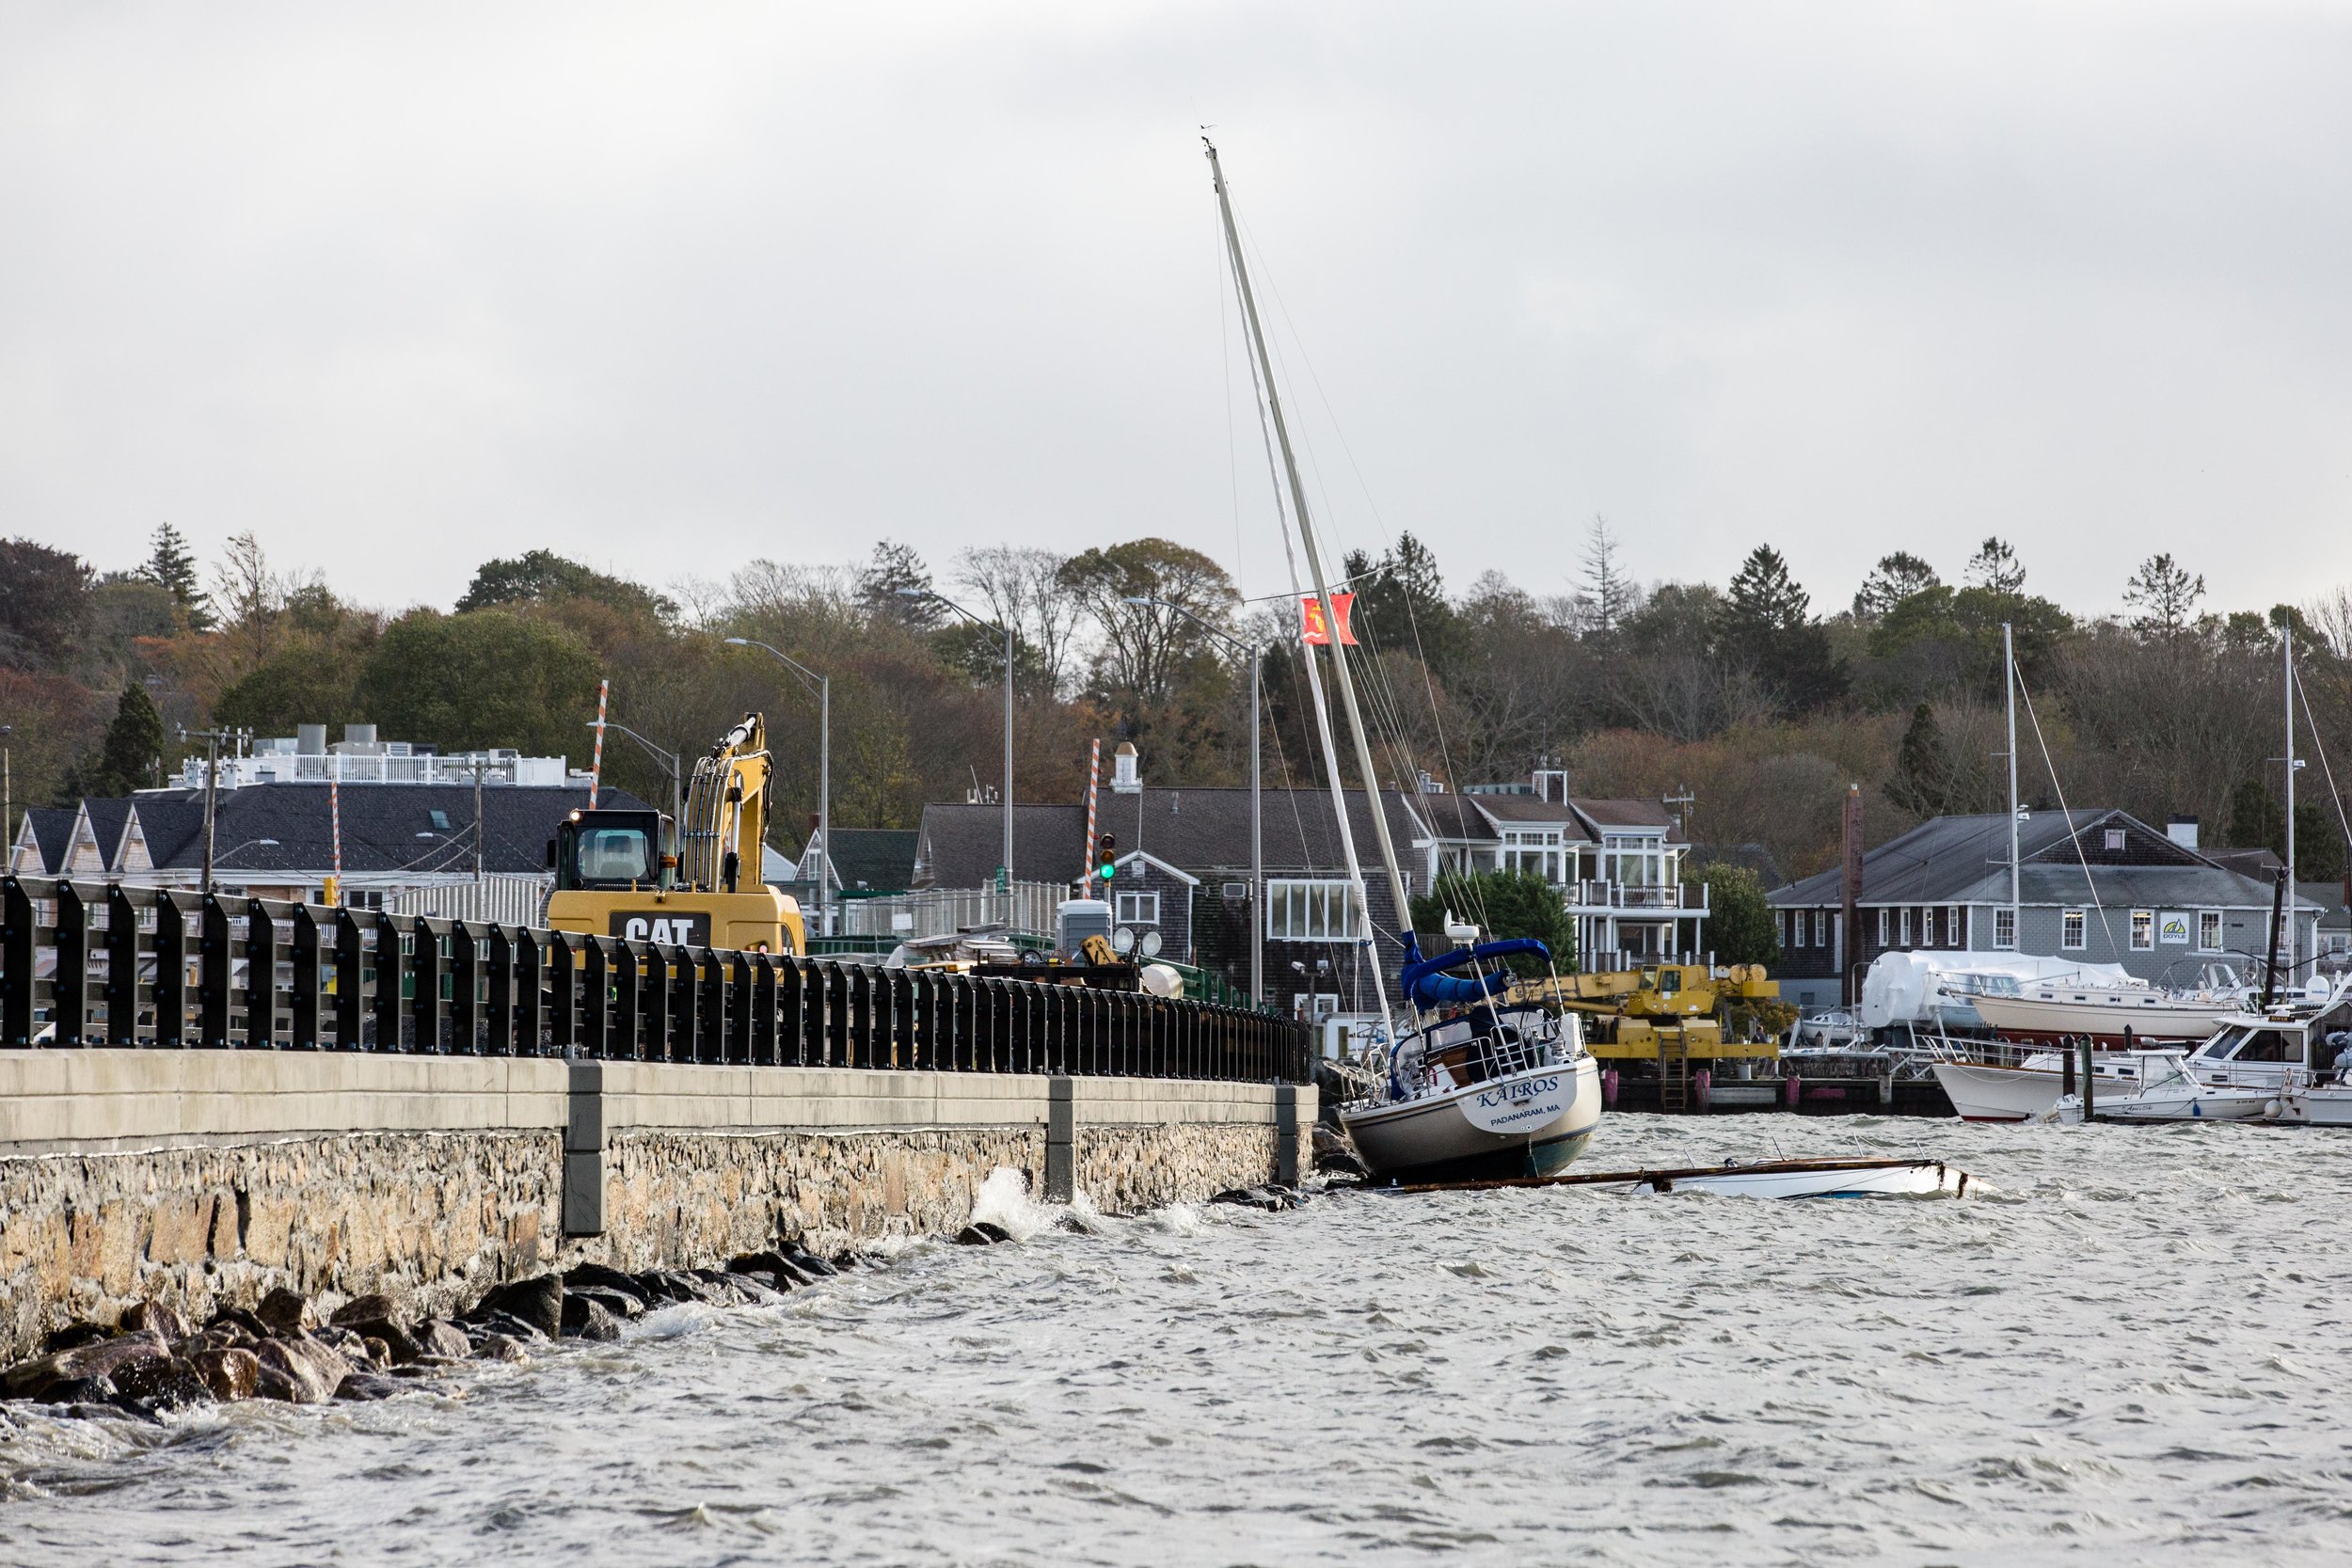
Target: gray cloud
[{"x": 671, "y": 289}]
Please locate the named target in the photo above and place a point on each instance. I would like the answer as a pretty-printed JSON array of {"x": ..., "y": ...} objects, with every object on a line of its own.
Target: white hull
[
  {"x": 2203, "y": 1104},
  {"x": 2151, "y": 1016},
  {"x": 2329, "y": 1105},
  {"x": 1435, "y": 1137},
  {"x": 1980, "y": 1093},
  {"x": 1913, "y": 1180}
]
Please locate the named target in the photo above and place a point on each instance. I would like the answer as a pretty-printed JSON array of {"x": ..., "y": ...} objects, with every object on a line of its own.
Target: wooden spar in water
[{"x": 1663, "y": 1179}]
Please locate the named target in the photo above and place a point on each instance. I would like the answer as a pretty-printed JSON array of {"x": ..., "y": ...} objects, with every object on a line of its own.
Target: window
[
  {"x": 1139, "y": 909},
  {"x": 1311, "y": 1007},
  {"x": 440, "y": 820},
  {"x": 2114, "y": 839},
  {"x": 2143, "y": 930},
  {"x": 2005, "y": 928},
  {"x": 1821, "y": 927},
  {"x": 1904, "y": 937},
  {"x": 2072, "y": 939},
  {"x": 1311, "y": 911},
  {"x": 1955, "y": 926},
  {"x": 1886, "y": 924},
  {"x": 2209, "y": 931}
]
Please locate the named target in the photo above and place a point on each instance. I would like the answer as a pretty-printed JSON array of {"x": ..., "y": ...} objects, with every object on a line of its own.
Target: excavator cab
[{"x": 610, "y": 850}]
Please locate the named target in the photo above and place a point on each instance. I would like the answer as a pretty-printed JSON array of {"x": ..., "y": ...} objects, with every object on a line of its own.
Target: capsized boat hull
[{"x": 1438, "y": 1137}]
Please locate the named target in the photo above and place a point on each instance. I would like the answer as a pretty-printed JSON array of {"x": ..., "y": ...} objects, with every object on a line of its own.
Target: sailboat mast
[
  {"x": 2009, "y": 667},
  {"x": 2286, "y": 653},
  {"x": 1307, "y": 538}
]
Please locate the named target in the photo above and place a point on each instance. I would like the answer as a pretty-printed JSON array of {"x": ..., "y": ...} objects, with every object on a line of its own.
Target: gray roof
[
  {"x": 1193, "y": 829},
  {"x": 881, "y": 859},
  {"x": 1964, "y": 860},
  {"x": 1624, "y": 813},
  {"x": 383, "y": 826},
  {"x": 1500, "y": 809}
]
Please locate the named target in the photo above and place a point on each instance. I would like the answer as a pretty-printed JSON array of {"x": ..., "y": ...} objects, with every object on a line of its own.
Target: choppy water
[{"x": 2124, "y": 1342}]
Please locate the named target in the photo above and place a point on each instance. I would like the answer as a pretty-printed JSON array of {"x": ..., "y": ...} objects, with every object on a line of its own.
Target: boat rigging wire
[{"x": 2073, "y": 836}]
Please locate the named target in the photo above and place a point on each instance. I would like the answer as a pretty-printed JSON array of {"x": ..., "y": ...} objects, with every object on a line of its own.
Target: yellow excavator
[{"x": 619, "y": 873}]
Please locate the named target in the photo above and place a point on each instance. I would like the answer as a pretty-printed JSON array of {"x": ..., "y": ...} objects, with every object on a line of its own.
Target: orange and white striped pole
[
  {"x": 596, "y": 764},
  {"x": 1094, "y": 771}
]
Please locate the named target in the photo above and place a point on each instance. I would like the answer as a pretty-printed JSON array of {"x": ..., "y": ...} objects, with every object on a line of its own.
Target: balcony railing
[{"x": 1682, "y": 897}]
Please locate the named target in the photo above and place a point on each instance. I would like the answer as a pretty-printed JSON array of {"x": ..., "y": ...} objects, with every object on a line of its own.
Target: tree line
[{"x": 1748, "y": 698}]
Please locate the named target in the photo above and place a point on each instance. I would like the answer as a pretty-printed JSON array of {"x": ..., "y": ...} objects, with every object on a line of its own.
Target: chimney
[
  {"x": 1124, "y": 780},
  {"x": 2181, "y": 831}
]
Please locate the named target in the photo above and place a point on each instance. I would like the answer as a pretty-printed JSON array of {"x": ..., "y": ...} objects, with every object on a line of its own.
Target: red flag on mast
[{"x": 1315, "y": 634}]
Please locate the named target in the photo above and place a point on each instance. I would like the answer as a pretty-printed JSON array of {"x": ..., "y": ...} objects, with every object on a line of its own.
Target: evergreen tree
[
  {"x": 1994, "y": 567},
  {"x": 172, "y": 566},
  {"x": 894, "y": 585},
  {"x": 2164, "y": 595},
  {"x": 129, "y": 756},
  {"x": 1506, "y": 903},
  {"x": 1767, "y": 627},
  {"x": 1401, "y": 602},
  {"x": 2255, "y": 820},
  {"x": 1919, "y": 785},
  {"x": 1895, "y": 578},
  {"x": 1740, "y": 925}
]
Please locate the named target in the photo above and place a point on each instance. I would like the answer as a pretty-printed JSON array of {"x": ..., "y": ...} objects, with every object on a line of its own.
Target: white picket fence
[
  {"x": 1025, "y": 906},
  {"x": 499, "y": 900}
]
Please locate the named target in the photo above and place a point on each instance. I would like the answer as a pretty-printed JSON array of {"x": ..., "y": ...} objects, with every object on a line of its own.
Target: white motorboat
[
  {"x": 2110, "y": 1013},
  {"x": 1480, "y": 1091},
  {"x": 2307, "y": 1104},
  {"x": 2020, "y": 1091},
  {"x": 2301, "y": 1041},
  {"x": 2168, "y": 1091}
]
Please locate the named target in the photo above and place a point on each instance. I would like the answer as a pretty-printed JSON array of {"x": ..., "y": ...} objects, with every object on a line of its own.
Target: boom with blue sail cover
[{"x": 1424, "y": 983}]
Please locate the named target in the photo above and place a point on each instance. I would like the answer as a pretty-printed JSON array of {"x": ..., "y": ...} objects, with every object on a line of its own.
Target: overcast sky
[{"x": 668, "y": 288}]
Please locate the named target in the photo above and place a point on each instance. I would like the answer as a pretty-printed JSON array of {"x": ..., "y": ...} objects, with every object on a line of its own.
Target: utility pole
[
  {"x": 7, "y": 797},
  {"x": 478, "y": 763},
  {"x": 212, "y": 738}
]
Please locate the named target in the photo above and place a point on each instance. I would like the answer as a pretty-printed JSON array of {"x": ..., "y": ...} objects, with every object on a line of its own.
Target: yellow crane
[
  {"x": 1632, "y": 1013},
  {"x": 619, "y": 874}
]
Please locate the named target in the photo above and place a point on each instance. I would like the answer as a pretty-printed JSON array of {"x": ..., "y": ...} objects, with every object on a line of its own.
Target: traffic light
[{"x": 1106, "y": 857}]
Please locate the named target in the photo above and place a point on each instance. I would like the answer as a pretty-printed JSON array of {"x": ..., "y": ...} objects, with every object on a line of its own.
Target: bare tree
[
  {"x": 1022, "y": 588},
  {"x": 1609, "y": 596}
]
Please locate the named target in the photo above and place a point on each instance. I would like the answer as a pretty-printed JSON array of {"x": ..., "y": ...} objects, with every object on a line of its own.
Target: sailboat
[{"x": 1479, "y": 1085}]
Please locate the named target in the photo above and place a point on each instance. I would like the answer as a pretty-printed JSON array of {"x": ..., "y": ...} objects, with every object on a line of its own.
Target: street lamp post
[
  {"x": 1006, "y": 870},
  {"x": 1257, "y": 835},
  {"x": 822, "y": 688},
  {"x": 666, "y": 755}
]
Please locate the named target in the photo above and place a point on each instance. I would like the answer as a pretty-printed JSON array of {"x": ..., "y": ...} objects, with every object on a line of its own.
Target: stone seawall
[{"x": 179, "y": 1175}]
